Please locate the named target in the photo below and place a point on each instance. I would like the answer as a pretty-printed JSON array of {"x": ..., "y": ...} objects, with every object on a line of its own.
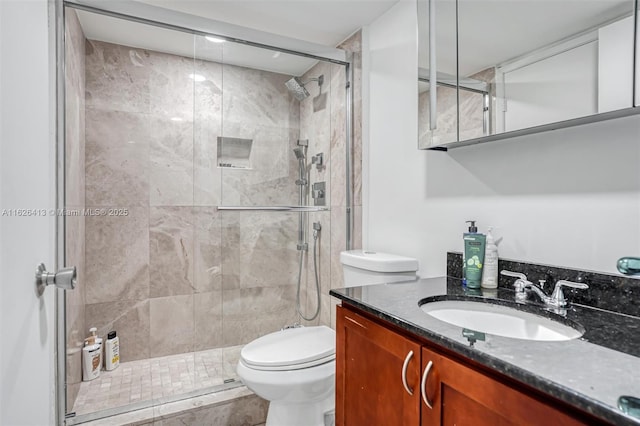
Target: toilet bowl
[{"x": 293, "y": 369}]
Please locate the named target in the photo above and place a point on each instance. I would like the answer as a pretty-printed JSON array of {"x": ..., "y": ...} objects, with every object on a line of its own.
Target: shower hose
[{"x": 315, "y": 270}]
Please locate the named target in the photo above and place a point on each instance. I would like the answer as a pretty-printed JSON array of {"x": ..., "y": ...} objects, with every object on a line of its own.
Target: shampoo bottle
[
  {"x": 490, "y": 270},
  {"x": 474, "y": 248},
  {"x": 472, "y": 230},
  {"x": 112, "y": 352}
]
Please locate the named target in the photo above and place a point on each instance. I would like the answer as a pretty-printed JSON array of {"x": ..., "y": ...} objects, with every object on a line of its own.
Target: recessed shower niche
[
  {"x": 194, "y": 138},
  {"x": 234, "y": 152}
]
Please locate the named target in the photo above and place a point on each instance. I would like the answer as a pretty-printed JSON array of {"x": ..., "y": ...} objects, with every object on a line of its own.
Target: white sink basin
[{"x": 500, "y": 320}]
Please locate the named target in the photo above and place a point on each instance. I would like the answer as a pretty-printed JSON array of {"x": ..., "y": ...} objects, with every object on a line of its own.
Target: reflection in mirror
[
  {"x": 529, "y": 62},
  {"x": 441, "y": 125}
]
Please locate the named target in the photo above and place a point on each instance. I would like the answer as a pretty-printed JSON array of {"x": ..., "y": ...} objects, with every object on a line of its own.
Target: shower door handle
[{"x": 64, "y": 278}]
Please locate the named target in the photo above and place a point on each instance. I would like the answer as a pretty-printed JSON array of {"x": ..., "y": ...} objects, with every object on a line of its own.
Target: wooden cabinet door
[
  {"x": 369, "y": 374},
  {"x": 462, "y": 396}
]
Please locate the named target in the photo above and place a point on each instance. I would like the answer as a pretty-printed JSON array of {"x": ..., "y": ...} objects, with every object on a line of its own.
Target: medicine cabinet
[{"x": 492, "y": 69}]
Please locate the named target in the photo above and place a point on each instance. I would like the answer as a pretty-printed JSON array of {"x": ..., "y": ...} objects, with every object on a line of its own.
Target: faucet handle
[
  {"x": 521, "y": 281},
  {"x": 513, "y": 274},
  {"x": 558, "y": 295}
]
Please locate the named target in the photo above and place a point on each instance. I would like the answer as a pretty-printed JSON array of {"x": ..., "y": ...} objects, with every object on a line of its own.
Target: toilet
[{"x": 294, "y": 369}]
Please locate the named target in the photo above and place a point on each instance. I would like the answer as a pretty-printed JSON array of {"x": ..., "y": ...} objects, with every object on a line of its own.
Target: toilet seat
[{"x": 291, "y": 349}]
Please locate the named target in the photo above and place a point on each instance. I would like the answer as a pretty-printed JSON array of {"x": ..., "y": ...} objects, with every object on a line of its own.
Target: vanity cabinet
[
  {"x": 369, "y": 371},
  {"x": 377, "y": 383},
  {"x": 461, "y": 395}
]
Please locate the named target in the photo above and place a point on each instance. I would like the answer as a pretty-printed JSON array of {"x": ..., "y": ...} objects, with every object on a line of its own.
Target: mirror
[{"x": 514, "y": 65}]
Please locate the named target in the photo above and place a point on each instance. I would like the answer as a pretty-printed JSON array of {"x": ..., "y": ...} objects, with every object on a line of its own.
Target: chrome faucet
[{"x": 556, "y": 300}]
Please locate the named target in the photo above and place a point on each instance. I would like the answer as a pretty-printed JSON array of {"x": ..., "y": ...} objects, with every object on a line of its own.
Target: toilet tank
[{"x": 362, "y": 267}]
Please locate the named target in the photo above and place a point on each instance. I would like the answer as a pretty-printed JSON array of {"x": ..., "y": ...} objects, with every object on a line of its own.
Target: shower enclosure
[{"x": 192, "y": 169}]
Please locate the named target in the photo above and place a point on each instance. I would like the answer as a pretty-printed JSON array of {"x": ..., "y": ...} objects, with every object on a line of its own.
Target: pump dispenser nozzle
[{"x": 472, "y": 227}]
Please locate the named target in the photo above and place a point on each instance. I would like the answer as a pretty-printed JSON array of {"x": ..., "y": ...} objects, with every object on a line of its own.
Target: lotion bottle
[
  {"x": 112, "y": 352},
  {"x": 94, "y": 332},
  {"x": 490, "y": 270},
  {"x": 91, "y": 359}
]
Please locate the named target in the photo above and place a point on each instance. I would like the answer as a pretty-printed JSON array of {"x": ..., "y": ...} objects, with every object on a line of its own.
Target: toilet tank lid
[{"x": 378, "y": 262}]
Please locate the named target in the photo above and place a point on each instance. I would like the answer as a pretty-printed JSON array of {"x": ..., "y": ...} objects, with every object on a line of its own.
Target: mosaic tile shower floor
[{"x": 147, "y": 379}]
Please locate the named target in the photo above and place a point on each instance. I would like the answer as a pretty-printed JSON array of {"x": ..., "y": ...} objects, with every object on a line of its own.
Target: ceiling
[{"x": 324, "y": 22}]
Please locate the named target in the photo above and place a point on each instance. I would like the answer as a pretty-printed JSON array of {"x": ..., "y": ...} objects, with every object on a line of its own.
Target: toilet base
[{"x": 283, "y": 413}]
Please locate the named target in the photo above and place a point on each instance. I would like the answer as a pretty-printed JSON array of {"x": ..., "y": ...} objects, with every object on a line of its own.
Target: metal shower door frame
[{"x": 57, "y": 35}]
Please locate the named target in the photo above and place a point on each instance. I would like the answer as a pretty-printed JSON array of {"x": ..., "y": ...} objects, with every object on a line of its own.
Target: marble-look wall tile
[
  {"x": 74, "y": 256},
  {"x": 209, "y": 320},
  {"x": 131, "y": 321},
  {"x": 171, "y": 162},
  {"x": 271, "y": 178},
  {"x": 171, "y": 90},
  {"x": 357, "y": 228},
  {"x": 338, "y": 238},
  {"x": 253, "y": 312},
  {"x": 338, "y": 137},
  {"x": 117, "y": 77},
  {"x": 258, "y": 97},
  {"x": 171, "y": 328},
  {"x": 207, "y": 249},
  {"x": 207, "y": 126},
  {"x": 117, "y": 158},
  {"x": 117, "y": 256},
  {"x": 171, "y": 251},
  {"x": 259, "y": 249}
]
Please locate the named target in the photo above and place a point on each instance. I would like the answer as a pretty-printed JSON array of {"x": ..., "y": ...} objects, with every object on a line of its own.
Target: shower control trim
[
  {"x": 318, "y": 160},
  {"x": 318, "y": 193}
]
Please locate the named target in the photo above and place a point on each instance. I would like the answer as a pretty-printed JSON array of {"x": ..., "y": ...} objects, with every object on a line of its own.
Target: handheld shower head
[
  {"x": 299, "y": 152},
  {"x": 297, "y": 89}
]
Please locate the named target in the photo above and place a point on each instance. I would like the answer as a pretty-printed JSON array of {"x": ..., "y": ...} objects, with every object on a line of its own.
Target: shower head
[
  {"x": 299, "y": 151},
  {"x": 297, "y": 89}
]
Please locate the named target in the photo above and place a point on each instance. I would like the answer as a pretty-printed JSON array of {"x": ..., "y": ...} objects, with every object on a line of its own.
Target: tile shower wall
[
  {"x": 75, "y": 197},
  {"x": 175, "y": 275}
]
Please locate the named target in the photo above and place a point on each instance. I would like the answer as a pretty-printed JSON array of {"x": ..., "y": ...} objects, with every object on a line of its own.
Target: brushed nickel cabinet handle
[
  {"x": 423, "y": 385},
  {"x": 404, "y": 373}
]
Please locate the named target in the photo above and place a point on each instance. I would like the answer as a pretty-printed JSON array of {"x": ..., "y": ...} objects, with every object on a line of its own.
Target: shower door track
[{"x": 114, "y": 10}]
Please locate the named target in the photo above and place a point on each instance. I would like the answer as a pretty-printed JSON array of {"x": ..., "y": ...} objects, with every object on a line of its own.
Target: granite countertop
[{"x": 590, "y": 373}]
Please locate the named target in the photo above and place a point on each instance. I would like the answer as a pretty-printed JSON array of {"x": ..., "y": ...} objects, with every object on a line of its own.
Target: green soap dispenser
[{"x": 473, "y": 258}]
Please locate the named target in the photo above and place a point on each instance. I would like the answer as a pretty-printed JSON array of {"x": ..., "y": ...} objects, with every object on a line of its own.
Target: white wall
[
  {"x": 569, "y": 197},
  {"x": 27, "y": 164}
]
